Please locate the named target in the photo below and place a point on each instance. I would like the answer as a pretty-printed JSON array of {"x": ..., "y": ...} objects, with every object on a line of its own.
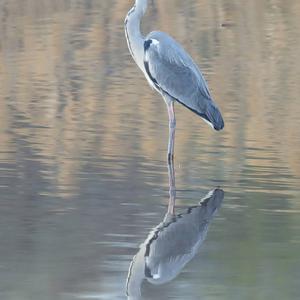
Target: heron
[{"x": 171, "y": 71}]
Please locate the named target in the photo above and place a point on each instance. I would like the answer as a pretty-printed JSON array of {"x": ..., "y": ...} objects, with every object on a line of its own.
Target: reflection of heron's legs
[
  {"x": 172, "y": 125},
  {"x": 172, "y": 187}
]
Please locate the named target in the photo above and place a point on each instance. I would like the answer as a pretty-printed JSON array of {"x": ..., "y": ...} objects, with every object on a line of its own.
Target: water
[{"x": 83, "y": 173}]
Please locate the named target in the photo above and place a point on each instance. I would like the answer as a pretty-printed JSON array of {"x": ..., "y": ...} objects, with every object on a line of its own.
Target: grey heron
[{"x": 171, "y": 71}]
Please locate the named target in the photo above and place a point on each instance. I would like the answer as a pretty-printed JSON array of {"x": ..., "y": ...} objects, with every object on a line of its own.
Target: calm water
[{"x": 83, "y": 139}]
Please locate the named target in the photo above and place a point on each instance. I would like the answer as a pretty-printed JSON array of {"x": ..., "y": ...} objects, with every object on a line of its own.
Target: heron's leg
[
  {"x": 172, "y": 187},
  {"x": 172, "y": 126}
]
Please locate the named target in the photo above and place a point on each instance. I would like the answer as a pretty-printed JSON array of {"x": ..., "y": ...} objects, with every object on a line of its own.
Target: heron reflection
[{"x": 173, "y": 243}]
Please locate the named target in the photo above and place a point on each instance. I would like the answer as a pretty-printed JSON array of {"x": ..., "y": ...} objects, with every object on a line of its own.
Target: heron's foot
[{"x": 170, "y": 157}]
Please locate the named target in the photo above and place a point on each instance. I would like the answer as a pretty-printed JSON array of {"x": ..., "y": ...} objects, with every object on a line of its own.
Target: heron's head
[{"x": 142, "y": 4}]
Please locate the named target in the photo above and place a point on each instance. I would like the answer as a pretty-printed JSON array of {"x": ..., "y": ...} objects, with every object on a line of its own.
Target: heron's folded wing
[{"x": 175, "y": 73}]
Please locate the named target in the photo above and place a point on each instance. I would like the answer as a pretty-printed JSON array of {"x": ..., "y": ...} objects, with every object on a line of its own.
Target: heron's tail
[
  {"x": 213, "y": 116},
  {"x": 206, "y": 109}
]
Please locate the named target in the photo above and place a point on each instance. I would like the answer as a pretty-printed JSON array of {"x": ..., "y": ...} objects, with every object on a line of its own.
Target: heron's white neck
[{"x": 135, "y": 39}]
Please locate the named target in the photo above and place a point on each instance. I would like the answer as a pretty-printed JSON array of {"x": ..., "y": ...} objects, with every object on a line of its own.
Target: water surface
[{"x": 83, "y": 139}]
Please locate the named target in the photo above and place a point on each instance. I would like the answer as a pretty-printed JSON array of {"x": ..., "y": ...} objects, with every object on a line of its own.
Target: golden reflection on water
[{"x": 57, "y": 61}]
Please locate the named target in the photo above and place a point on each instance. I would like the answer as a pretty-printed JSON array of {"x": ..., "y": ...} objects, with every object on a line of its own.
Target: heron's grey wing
[{"x": 174, "y": 73}]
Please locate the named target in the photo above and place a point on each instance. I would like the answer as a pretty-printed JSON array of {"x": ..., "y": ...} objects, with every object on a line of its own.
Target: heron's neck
[{"x": 135, "y": 39}]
